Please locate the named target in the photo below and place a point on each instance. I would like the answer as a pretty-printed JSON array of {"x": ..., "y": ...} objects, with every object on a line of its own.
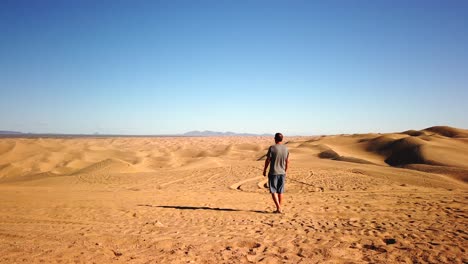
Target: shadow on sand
[{"x": 203, "y": 208}]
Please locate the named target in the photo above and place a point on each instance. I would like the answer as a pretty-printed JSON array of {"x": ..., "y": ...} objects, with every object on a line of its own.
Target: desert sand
[{"x": 367, "y": 198}]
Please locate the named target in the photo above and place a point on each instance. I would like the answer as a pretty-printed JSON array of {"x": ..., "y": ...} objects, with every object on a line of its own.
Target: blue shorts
[{"x": 276, "y": 183}]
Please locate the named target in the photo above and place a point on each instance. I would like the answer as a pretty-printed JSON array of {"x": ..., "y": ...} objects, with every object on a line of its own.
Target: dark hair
[{"x": 278, "y": 137}]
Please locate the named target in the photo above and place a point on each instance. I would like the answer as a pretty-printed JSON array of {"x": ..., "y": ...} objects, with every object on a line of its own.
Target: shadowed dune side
[
  {"x": 331, "y": 154},
  {"x": 404, "y": 151},
  {"x": 319, "y": 147},
  {"x": 414, "y": 150},
  {"x": 381, "y": 144},
  {"x": 414, "y": 133},
  {"x": 447, "y": 131},
  {"x": 328, "y": 154},
  {"x": 394, "y": 149},
  {"x": 444, "y": 147},
  {"x": 353, "y": 160},
  {"x": 343, "y": 148}
]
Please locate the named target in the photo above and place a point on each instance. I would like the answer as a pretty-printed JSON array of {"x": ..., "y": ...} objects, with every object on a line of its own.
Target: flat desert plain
[{"x": 367, "y": 198}]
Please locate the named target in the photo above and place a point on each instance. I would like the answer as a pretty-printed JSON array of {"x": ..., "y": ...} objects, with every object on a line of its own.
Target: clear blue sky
[{"x": 300, "y": 67}]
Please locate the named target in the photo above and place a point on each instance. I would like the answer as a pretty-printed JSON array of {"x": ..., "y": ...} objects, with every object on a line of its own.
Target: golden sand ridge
[{"x": 367, "y": 198}]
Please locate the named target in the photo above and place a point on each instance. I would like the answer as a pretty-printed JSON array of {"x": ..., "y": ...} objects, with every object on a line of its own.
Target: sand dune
[
  {"x": 450, "y": 132},
  {"x": 107, "y": 166},
  {"x": 446, "y": 148},
  {"x": 370, "y": 198}
]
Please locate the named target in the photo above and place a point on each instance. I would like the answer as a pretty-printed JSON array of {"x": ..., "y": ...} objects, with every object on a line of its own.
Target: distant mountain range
[
  {"x": 195, "y": 133},
  {"x": 5, "y": 132},
  {"x": 208, "y": 133}
]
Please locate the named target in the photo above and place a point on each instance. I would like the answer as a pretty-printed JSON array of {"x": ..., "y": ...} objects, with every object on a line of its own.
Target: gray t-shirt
[{"x": 278, "y": 154}]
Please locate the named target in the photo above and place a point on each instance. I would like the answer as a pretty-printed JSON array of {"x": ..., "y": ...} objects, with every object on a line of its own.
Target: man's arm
[
  {"x": 267, "y": 162},
  {"x": 287, "y": 164}
]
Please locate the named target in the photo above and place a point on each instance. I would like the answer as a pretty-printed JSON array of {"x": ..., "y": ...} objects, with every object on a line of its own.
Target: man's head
[{"x": 278, "y": 137}]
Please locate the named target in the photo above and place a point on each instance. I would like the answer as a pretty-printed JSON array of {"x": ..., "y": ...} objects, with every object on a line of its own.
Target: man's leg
[
  {"x": 280, "y": 198},
  {"x": 277, "y": 203},
  {"x": 273, "y": 182},
  {"x": 281, "y": 182}
]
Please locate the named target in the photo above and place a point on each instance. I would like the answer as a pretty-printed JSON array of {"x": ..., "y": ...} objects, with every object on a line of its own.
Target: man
[{"x": 278, "y": 158}]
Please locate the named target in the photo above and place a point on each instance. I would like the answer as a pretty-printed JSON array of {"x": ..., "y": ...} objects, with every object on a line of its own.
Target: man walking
[{"x": 278, "y": 158}]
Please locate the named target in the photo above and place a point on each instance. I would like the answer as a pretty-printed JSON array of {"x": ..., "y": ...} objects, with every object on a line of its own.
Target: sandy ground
[{"x": 204, "y": 200}]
